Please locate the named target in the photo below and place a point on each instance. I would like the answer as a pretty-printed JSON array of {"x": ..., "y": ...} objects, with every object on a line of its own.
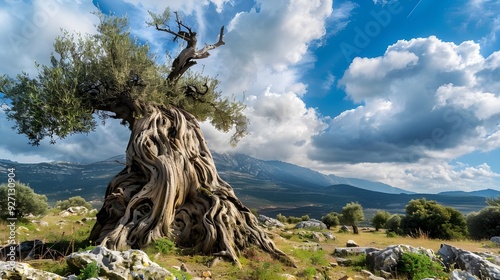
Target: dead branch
[{"x": 186, "y": 58}]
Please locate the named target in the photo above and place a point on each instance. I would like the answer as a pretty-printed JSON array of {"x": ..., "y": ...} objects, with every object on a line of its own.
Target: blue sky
[{"x": 402, "y": 92}]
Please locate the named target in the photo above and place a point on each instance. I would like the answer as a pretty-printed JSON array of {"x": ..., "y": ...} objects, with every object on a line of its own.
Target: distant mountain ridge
[
  {"x": 270, "y": 186},
  {"x": 287, "y": 172}
]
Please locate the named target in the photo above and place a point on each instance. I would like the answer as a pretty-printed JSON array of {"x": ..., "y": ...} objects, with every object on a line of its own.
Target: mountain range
[{"x": 271, "y": 187}]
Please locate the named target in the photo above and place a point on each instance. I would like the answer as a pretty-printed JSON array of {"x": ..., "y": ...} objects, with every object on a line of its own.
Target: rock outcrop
[
  {"x": 131, "y": 264},
  {"x": 269, "y": 222},
  {"x": 387, "y": 259},
  {"x": 18, "y": 270},
  {"x": 470, "y": 262},
  {"x": 312, "y": 223}
]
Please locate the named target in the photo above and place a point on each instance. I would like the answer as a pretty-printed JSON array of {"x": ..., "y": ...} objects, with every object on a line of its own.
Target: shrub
[
  {"x": 164, "y": 246},
  {"x": 24, "y": 201},
  {"x": 380, "y": 219},
  {"x": 305, "y": 218},
  {"x": 485, "y": 224},
  {"x": 434, "y": 219},
  {"x": 293, "y": 220},
  {"x": 73, "y": 201},
  {"x": 281, "y": 218},
  {"x": 308, "y": 273},
  {"x": 90, "y": 271},
  {"x": 331, "y": 220},
  {"x": 394, "y": 224},
  {"x": 418, "y": 266},
  {"x": 267, "y": 271}
]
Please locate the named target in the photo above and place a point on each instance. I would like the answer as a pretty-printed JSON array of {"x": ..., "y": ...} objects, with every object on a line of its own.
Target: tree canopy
[
  {"x": 109, "y": 74},
  {"x": 433, "y": 219},
  {"x": 380, "y": 219},
  {"x": 26, "y": 201},
  {"x": 485, "y": 223},
  {"x": 352, "y": 214}
]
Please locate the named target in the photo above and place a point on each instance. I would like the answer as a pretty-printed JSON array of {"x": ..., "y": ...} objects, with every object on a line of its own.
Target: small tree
[
  {"x": 433, "y": 219},
  {"x": 485, "y": 223},
  {"x": 73, "y": 201},
  {"x": 352, "y": 214},
  {"x": 331, "y": 220},
  {"x": 394, "y": 224},
  {"x": 281, "y": 218},
  {"x": 26, "y": 201},
  {"x": 380, "y": 219}
]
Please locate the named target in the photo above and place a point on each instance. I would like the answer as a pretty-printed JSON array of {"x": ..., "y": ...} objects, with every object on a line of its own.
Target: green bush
[
  {"x": 293, "y": 220},
  {"x": 393, "y": 225},
  {"x": 485, "y": 223},
  {"x": 380, "y": 219},
  {"x": 267, "y": 271},
  {"x": 23, "y": 201},
  {"x": 308, "y": 273},
  {"x": 73, "y": 201},
  {"x": 305, "y": 218},
  {"x": 314, "y": 257},
  {"x": 164, "y": 246},
  {"x": 90, "y": 271},
  {"x": 433, "y": 219},
  {"x": 418, "y": 266},
  {"x": 281, "y": 218},
  {"x": 331, "y": 220}
]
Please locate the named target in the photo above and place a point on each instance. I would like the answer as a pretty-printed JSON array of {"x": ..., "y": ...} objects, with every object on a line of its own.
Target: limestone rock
[
  {"x": 344, "y": 228},
  {"x": 119, "y": 264},
  {"x": 329, "y": 235},
  {"x": 351, "y": 243},
  {"x": 312, "y": 223},
  {"x": 495, "y": 239},
  {"x": 468, "y": 261},
  {"x": 350, "y": 251},
  {"x": 461, "y": 275},
  {"x": 387, "y": 259},
  {"x": 270, "y": 222},
  {"x": 17, "y": 270}
]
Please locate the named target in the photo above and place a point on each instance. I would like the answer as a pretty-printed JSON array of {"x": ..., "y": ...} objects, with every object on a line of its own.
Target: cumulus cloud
[
  {"x": 281, "y": 127},
  {"x": 423, "y": 99},
  {"x": 276, "y": 37}
]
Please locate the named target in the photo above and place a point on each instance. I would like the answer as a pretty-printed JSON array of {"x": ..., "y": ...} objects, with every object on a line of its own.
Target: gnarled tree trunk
[{"x": 170, "y": 187}]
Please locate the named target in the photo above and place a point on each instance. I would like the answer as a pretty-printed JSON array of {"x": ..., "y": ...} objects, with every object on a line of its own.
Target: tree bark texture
[{"x": 170, "y": 188}]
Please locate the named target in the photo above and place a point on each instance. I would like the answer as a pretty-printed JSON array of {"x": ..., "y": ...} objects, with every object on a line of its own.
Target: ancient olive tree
[{"x": 170, "y": 185}]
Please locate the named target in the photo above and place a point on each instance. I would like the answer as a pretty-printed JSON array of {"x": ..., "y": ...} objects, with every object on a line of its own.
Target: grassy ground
[{"x": 68, "y": 234}]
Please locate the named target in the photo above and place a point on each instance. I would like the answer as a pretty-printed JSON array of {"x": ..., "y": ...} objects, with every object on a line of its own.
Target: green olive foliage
[
  {"x": 73, "y": 201},
  {"x": 485, "y": 223},
  {"x": 25, "y": 199},
  {"x": 434, "y": 220},
  {"x": 108, "y": 74},
  {"x": 352, "y": 214},
  {"x": 331, "y": 220},
  {"x": 380, "y": 219}
]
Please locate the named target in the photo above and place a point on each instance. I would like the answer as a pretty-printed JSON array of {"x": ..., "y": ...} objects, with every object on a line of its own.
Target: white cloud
[
  {"x": 33, "y": 28},
  {"x": 424, "y": 102},
  {"x": 276, "y": 38},
  {"x": 281, "y": 127}
]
